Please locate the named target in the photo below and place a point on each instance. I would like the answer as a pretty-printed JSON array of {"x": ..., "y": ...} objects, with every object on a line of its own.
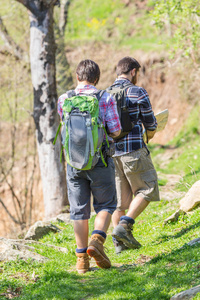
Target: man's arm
[
  {"x": 113, "y": 125},
  {"x": 60, "y": 104},
  {"x": 147, "y": 115},
  {"x": 115, "y": 134}
]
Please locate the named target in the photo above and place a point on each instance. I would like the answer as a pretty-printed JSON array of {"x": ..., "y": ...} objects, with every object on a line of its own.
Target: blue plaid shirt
[{"x": 141, "y": 113}]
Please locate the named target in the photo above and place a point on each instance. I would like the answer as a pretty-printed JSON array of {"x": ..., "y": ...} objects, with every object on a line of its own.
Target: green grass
[
  {"x": 112, "y": 22},
  {"x": 173, "y": 265}
]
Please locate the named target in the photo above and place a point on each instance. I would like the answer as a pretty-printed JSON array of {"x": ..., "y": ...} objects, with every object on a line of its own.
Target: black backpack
[{"x": 119, "y": 94}]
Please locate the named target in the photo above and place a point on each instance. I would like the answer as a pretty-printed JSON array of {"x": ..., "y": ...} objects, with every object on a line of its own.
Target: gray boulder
[
  {"x": 174, "y": 217},
  {"x": 63, "y": 218},
  {"x": 12, "y": 250},
  {"x": 187, "y": 203},
  {"x": 39, "y": 229},
  {"x": 188, "y": 294},
  {"x": 191, "y": 198},
  {"x": 194, "y": 242}
]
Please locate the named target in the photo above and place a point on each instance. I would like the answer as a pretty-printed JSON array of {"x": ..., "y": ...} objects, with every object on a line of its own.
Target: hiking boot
[
  {"x": 82, "y": 265},
  {"x": 96, "y": 250},
  {"x": 119, "y": 246},
  {"x": 123, "y": 233}
]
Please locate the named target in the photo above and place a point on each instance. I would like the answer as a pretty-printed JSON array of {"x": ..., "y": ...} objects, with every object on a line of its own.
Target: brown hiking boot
[
  {"x": 123, "y": 233},
  {"x": 96, "y": 250},
  {"x": 82, "y": 265}
]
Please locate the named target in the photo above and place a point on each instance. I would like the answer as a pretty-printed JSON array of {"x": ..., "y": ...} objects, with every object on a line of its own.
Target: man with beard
[{"x": 135, "y": 173}]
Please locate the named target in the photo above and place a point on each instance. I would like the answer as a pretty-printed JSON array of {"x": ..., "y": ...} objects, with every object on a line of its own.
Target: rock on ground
[
  {"x": 194, "y": 242},
  {"x": 192, "y": 198},
  {"x": 64, "y": 218},
  {"x": 188, "y": 294},
  {"x": 12, "y": 250},
  {"x": 39, "y": 229}
]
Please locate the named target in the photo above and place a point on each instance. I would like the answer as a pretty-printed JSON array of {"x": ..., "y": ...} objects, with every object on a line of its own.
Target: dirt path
[{"x": 168, "y": 191}]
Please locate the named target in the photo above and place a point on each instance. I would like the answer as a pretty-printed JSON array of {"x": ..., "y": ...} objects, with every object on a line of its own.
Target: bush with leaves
[{"x": 181, "y": 19}]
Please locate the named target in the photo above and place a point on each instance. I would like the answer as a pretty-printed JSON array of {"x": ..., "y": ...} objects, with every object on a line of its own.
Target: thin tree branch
[
  {"x": 6, "y": 209},
  {"x": 10, "y": 44},
  {"x": 5, "y": 173},
  {"x": 64, "y": 7},
  {"x": 32, "y": 7}
]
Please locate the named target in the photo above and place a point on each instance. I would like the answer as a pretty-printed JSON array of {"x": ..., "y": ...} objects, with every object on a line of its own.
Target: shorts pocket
[
  {"x": 133, "y": 163},
  {"x": 150, "y": 178}
]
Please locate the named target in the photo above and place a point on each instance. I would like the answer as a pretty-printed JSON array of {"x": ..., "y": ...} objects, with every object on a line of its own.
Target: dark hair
[
  {"x": 88, "y": 70},
  {"x": 126, "y": 64}
]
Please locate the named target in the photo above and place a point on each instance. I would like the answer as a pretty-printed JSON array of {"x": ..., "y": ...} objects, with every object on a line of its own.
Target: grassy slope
[
  {"x": 170, "y": 270},
  {"x": 164, "y": 266},
  {"x": 112, "y": 22}
]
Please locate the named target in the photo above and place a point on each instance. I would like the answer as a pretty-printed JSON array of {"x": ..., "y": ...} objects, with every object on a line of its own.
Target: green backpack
[{"x": 82, "y": 130}]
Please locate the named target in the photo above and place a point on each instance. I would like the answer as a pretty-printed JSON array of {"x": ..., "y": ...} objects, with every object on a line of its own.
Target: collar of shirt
[
  {"x": 83, "y": 87},
  {"x": 121, "y": 80}
]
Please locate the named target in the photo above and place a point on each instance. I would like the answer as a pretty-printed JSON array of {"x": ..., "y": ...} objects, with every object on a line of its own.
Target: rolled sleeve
[
  {"x": 147, "y": 116},
  {"x": 112, "y": 118},
  {"x": 61, "y": 100}
]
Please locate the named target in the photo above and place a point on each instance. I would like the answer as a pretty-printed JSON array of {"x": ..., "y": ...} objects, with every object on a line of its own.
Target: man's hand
[
  {"x": 114, "y": 134},
  {"x": 150, "y": 134}
]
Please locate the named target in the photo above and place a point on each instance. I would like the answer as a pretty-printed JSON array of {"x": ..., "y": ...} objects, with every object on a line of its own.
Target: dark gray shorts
[{"x": 99, "y": 181}]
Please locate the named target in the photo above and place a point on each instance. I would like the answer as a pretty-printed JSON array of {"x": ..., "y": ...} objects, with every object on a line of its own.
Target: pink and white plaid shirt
[{"x": 107, "y": 107}]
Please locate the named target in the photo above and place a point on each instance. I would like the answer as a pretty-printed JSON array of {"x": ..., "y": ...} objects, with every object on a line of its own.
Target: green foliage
[
  {"x": 91, "y": 23},
  {"x": 15, "y": 85},
  {"x": 15, "y": 18},
  {"x": 15, "y": 92},
  {"x": 111, "y": 22},
  {"x": 181, "y": 19}
]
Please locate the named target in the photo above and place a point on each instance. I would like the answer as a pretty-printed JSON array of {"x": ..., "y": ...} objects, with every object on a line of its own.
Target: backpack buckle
[{"x": 88, "y": 123}]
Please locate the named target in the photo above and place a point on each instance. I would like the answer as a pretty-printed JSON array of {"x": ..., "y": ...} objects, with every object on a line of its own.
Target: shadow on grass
[
  {"x": 157, "y": 279},
  {"x": 164, "y": 238}
]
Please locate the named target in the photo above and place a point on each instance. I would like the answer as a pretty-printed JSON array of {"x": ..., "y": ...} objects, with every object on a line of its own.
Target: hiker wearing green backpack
[
  {"x": 135, "y": 173},
  {"x": 85, "y": 113}
]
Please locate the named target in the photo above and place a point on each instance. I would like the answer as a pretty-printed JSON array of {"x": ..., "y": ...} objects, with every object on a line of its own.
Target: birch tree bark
[{"x": 43, "y": 72}]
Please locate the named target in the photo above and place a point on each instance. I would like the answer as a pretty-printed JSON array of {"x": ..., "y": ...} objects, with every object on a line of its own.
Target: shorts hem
[
  {"x": 147, "y": 198},
  {"x": 110, "y": 211},
  {"x": 77, "y": 218}
]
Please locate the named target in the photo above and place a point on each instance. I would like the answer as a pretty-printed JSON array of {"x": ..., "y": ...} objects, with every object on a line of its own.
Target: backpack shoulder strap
[
  {"x": 122, "y": 86},
  {"x": 71, "y": 93},
  {"x": 97, "y": 93}
]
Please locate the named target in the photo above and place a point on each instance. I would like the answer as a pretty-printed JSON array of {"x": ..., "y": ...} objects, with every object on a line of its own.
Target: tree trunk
[
  {"x": 42, "y": 57},
  {"x": 64, "y": 76}
]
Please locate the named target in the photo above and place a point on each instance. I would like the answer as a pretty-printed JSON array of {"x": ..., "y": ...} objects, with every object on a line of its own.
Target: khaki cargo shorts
[{"x": 135, "y": 175}]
